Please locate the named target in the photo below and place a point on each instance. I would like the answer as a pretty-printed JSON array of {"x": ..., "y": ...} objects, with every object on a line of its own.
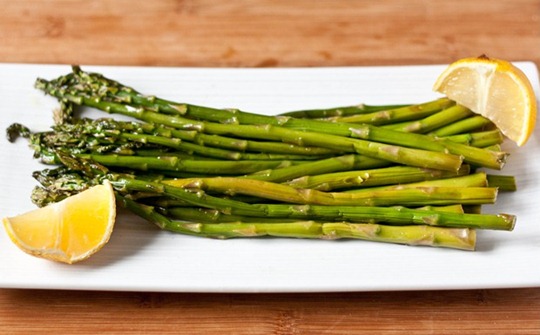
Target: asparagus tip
[{"x": 15, "y": 130}]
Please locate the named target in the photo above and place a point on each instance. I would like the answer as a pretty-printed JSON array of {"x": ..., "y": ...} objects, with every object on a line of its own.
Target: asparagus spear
[
  {"x": 396, "y": 115},
  {"x": 478, "y": 179},
  {"x": 118, "y": 92},
  {"x": 392, "y": 153},
  {"x": 462, "y": 126},
  {"x": 166, "y": 163},
  {"x": 105, "y": 89},
  {"x": 340, "y": 111},
  {"x": 46, "y": 143},
  {"x": 338, "y": 163},
  {"x": 287, "y": 172},
  {"x": 374, "y": 177},
  {"x": 458, "y": 238},
  {"x": 236, "y": 144},
  {"x": 503, "y": 183},
  {"x": 349, "y": 213},
  {"x": 434, "y": 121},
  {"x": 243, "y": 145},
  {"x": 103, "y": 93},
  {"x": 472, "y": 155},
  {"x": 494, "y": 147},
  {"x": 57, "y": 184},
  {"x": 368, "y": 140},
  {"x": 296, "y": 131},
  {"x": 107, "y": 135},
  {"x": 267, "y": 131},
  {"x": 205, "y": 215},
  {"x": 422, "y": 235},
  {"x": 91, "y": 174},
  {"x": 407, "y": 196},
  {"x": 480, "y": 139}
]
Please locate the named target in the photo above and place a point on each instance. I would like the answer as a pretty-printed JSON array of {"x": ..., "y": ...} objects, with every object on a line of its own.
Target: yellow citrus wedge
[
  {"x": 67, "y": 231},
  {"x": 495, "y": 89}
]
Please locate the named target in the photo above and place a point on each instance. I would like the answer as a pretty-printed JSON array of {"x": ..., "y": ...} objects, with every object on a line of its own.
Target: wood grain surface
[{"x": 268, "y": 33}]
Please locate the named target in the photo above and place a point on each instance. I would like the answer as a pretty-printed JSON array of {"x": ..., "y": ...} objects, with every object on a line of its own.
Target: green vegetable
[{"x": 392, "y": 173}]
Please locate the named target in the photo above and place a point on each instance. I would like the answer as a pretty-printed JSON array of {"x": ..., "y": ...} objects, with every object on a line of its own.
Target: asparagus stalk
[
  {"x": 392, "y": 153},
  {"x": 58, "y": 184},
  {"x": 400, "y": 114},
  {"x": 503, "y": 183},
  {"x": 434, "y": 121},
  {"x": 174, "y": 164},
  {"x": 458, "y": 238},
  {"x": 178, "y": 144},
  {"x": 421, "y": 235},
  {"x": 205, "y": 215},
  {"x": 462, "y": 126},
  {"x": 93, "y": 97},
  {"x": 339, "y": 163},
  {"x": 473, "y": 180},
  {"x": 282, "y": 193},
  {"x": 267, "y": 150},
  {"x": 129, "y": 95},
  {"x": 171, "y": 163},
  {"x": 389, "y": 215},
  {"x": 267, "y": 131},
  {"x": 340, "y": 111},
  {"x": 254, "y": 187},
  {"x": 494, "y": 147},
  {"x": 406, "y": 196},
  {"x": 120, "y": 93},
  {"x": 374, "y": 177},
  {"x": 287, "y": 172},
  {"x": 480, "y": 139},
  {"x": 472, "y": 155},
  {"x": 236, "y": 144},
  {"x": 354, "y": 213},
  {"x": 107, "y": 135},
  {"x": 46, "y": 142}
]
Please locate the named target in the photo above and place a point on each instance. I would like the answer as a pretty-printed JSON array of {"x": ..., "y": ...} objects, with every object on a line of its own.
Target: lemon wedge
[
  {"x": 495, "y": 89},
  {"x": 68, "y": 231}
]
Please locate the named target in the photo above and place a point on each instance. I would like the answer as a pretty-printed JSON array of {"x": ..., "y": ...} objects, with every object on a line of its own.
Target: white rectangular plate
[{"x": 139, "y": 257}]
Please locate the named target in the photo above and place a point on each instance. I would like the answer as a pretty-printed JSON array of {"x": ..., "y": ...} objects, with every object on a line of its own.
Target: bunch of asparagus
[{"x": 402, "y": 174}]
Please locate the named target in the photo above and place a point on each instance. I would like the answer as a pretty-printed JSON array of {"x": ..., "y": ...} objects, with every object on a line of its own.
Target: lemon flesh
[
  {"x": 68, "y": 231},
  {"x": 495, "y": 89}
]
